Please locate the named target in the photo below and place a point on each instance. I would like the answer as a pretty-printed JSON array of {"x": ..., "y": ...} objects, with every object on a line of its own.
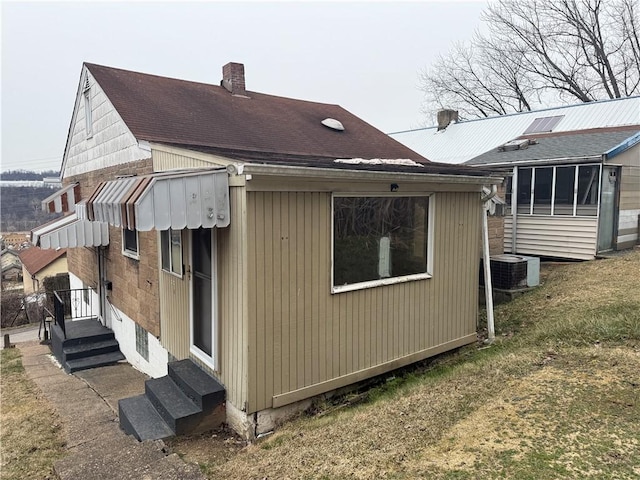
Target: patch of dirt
[{"x": 208, "y": 449}]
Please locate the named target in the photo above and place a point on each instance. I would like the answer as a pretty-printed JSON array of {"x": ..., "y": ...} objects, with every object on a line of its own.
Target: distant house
[
  {"x": 498, "y": 143},
  {"x": 15, "y": 239},
  {"x": 11, "y": 265},
  {"x": 286, "y": 247},
  {"x": 38, "y": 264}
]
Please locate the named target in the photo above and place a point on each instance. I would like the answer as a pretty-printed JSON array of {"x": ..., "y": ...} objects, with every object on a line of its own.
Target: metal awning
[
  {"x": 70, "y": 232},
  {"x": 63, "y": 200},
  {"x": 175, "y": 200}
]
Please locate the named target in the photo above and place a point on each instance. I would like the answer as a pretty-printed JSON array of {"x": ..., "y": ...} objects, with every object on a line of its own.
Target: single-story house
[
  {"x": 38, "y": 264},
  {"x": 477, "y": 142},
  {"x": 286, "y": 247},
  {"x": 570, "y": 194}
]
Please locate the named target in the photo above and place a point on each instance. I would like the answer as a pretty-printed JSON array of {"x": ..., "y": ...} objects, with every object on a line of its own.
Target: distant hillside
[
  {"x": 21, "y": 210},
  {"x": 14, "y": 175}
]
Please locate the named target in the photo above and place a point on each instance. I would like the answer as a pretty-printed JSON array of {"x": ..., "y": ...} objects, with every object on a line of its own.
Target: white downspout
[{"x": 488, "y": 288}]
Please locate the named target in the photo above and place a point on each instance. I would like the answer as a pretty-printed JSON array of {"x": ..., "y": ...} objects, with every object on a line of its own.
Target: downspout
[{"x": 488, "y": 288}]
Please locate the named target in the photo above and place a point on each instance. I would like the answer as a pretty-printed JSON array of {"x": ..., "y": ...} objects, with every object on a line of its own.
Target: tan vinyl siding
[
  {"x": 174, "y": 306},
  {"x": 170, "y": 158},
  {"x": 303, "y": 337},
  {"x": 554, "y": 236},
  {"x": 232, "y": 308}
]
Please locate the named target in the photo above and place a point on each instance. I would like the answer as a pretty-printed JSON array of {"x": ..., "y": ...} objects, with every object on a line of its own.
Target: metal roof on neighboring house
[
  {"x": 462, "y": 141},
  {"x": 577, "y": 145}
]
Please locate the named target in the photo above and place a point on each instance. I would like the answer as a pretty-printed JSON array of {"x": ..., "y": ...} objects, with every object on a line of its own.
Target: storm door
[
  {"x": 203, "y": 295},
  {"x": 607, "y": 218}
]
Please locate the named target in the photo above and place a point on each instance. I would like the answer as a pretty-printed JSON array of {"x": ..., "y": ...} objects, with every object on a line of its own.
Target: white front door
[{"x": 203, "y": 295}]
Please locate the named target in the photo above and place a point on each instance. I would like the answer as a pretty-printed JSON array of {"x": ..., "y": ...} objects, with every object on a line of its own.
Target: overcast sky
[{"x": 363, "y": 56}]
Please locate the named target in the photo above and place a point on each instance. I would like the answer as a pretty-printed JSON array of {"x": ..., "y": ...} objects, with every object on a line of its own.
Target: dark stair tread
[
  {"x": 139, "y": 418},
  {"x": 87, "y": 347},
  {"x": 164, "y": 393},
  {"x": 201, "y": 387},
  {"x": 93, "y": 361}
]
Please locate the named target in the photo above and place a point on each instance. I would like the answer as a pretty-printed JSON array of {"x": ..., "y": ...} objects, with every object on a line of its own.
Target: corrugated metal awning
[
  {"x": 64, "y": 200},
  {"x": 175, "y": 200},
  {"x": 71, "y": 232}
]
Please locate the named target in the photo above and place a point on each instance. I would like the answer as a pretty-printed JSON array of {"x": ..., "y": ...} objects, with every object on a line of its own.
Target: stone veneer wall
[{"x": 135, "y": 282}]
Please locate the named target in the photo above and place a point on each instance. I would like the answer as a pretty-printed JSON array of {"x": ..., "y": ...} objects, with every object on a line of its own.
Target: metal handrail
[{"x": 71, "y": 304}]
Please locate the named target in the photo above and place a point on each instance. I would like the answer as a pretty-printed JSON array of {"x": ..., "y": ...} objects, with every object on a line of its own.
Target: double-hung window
[
  {"x": 130, "y": 243},
  {"x": 379, "y": 240},
  {"x": 171, "y": 251}
]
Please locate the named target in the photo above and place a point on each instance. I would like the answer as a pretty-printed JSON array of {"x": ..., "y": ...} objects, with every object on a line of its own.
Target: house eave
[{"x": 362, "y": 175}]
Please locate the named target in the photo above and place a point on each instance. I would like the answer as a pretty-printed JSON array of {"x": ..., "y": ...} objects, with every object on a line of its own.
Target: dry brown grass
[
  {"x": 29, "y": 438},
  {"x": 559, "y": 399}
]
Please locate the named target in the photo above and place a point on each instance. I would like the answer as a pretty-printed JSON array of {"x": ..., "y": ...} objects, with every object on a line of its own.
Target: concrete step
[
  {"x": 94, "y": 361},
  {"x": 138, "y": 417},
  {"x": 199, "y": 386},
  {"x": 90, "y": 349},
  {"x": 175, "y": 408}
]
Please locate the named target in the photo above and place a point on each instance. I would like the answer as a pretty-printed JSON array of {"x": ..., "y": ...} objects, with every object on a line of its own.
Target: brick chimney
[
  {"x": 445, "y": 117},
  {"x": 233, "y": 78}
]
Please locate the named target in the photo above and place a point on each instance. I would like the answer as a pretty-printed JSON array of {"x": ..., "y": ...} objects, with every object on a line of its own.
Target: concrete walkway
[{"x": 87, "y": 404}]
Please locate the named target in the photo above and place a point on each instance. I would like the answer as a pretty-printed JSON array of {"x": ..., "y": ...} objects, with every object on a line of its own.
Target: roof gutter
[
  {"x": 345, "y": 174},
  {"x": 592, "y": 158},
  {"x": 623, "y": 146}
]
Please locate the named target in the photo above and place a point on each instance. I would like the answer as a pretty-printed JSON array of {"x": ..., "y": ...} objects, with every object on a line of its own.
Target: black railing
[{"x": 72, "y": 304}]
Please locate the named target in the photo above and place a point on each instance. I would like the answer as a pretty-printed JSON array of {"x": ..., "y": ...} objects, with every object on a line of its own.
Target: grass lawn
[
  {"x": 556, "y": 396},
  {"x": 30, "y": 440}
]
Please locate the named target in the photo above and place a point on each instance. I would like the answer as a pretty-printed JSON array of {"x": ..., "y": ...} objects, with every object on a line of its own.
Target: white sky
[{"x": 363, "y": 56}]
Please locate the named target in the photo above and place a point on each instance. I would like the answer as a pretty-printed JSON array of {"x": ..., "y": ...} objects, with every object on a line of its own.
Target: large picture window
[
  {"x": 171, "y": 251},
  {"x": 379, "y": 240},
  {"x": 562, "y": 190}
]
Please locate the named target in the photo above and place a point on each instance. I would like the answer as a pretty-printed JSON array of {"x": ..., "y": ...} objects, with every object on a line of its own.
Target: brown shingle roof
[
  {"x": 167, "y": 110},
  {"x": 35, "y": 259}
]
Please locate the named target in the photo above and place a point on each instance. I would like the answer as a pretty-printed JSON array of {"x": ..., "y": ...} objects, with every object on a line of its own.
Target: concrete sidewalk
[{"x": 87, "y": 404}]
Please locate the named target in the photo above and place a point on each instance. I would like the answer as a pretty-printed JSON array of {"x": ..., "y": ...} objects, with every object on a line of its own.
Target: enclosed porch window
[
  {"x": 379, "y": 240},
  {"x": 571, "y": 190}
]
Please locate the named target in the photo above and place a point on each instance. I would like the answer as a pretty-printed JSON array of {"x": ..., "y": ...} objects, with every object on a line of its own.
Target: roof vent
[
  {"x": 517, "y": 144},
  {"x": 333, "y": 124}
]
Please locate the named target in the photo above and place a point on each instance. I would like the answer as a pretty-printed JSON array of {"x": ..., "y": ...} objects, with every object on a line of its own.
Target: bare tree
[{"x": 539, "y": 52}]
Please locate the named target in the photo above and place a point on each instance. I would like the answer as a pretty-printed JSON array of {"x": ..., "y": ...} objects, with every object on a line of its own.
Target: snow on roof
[{"x": 379, "y": 161}]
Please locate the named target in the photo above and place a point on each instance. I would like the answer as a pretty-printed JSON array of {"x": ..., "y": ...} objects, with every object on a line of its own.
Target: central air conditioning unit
[{"x": 511, "y": 272}]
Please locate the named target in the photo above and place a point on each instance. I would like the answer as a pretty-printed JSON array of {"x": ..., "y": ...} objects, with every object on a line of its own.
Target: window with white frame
[
  {"x": 379, "y": 240},
  {"x": 569, "y": 190},
  {"x": 130, "y": 243},
  {"x": 171, "y": 251}
]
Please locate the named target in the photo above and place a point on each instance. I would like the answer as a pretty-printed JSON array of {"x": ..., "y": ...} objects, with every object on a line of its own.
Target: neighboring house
[
  {"x": 11, "y": 265},
  {"x": 15, "y": 239},
  {"x": 453, "y": 141},
  {"x": 38, "y": 264},
  {"x": 571, "y": 194},
  {"x": 262, "y": 238}
]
